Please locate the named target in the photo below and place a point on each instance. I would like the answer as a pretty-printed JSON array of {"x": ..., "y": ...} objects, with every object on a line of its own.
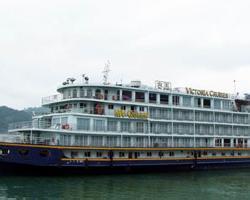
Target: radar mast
[{"x": 106, "y": 73}]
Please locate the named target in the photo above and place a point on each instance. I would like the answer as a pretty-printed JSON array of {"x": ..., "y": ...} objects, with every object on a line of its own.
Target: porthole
[
  {"x": 98, "y": 154},
  {"x": 161, "y": 154},
  {"x": 23, "y": 152},
  {"x": 121, "y": 154},
  {"x": 87, "y": 154},
  {"x": 44, "y": 153},
  {"x": 4, "y": 152},
  {"x": 74, "y": 154},
  {"x": 149, "y": 154},
  {"x": 171, "y": 153}
]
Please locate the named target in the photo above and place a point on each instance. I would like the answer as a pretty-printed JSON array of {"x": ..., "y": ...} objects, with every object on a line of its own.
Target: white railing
[
  {"x": 8, "y": 138},
  {"x": 20, "y": 125},
  {"x": 51, "y": 99},
  {"x": 29, "y": 125},
  {"x": 81, "y": 110}
]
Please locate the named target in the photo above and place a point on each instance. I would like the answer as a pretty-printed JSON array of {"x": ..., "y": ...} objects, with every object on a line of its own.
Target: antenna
[
  {"x": 106, "y": 73},
  {"x": 72, "y": 80},
  {"x": 85, "y": 79},
  {"x": 235, "y": 88}
]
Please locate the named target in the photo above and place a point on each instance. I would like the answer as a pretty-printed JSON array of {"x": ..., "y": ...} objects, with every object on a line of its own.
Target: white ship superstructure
[{"x": 134, "y": 115}]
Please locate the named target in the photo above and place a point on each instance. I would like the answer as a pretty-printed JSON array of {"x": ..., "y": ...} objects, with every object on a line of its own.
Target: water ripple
[{"x": 222, "y": 185}]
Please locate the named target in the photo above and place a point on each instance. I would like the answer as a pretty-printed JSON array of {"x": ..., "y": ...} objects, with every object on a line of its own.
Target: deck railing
[
  {"x": 67, "y": 127},
  {"x": 52, "y": 99},
  {"x": 19, "y": 139},
  {"x": 29, "y": 125}
]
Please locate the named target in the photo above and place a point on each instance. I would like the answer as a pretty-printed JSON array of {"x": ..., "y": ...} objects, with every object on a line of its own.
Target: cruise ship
[{"x": 130, "y": 128}]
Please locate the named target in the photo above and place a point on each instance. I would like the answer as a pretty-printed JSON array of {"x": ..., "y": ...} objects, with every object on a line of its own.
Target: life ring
[{"x": 66, "y": 126}]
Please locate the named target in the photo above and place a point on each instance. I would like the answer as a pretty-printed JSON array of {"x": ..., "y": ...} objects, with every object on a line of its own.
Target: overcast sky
[{"x": 201, "y": 44}]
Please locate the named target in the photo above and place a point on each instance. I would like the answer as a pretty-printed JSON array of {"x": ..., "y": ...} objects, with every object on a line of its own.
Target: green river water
[{"x": 220, "y": 184}]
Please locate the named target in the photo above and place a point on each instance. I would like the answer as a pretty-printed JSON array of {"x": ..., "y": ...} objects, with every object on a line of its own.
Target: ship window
[
  {"x": 141, "y": 109},
  {"x": 152, "y": 98},
  {"x": 207, "y": 103},
  {"x": 161, "y": 154},
  {"x": 227, "y": 142},
  {"x": 132, "y": 108},
  {"x": 125, "y": 126},
  {"x": 121, "y": 154},
  {"x": 44, "y": 153},
  {"x": 99, "y": 125},
  {"x": 137, "y": 154},
  {"x": 239, "y": 153},
  {"x": 64, "y": 95},
  {"x": 87, "y": 154},
  {"x": 186, "y": 101},
  {"x": 197, "y": 102},
  {"x": 89, "y": 93},
  {"x": 176, "y": 100},
  {"x": 171, "y": 153},
  {"x": 218, "y": 142},
  {"x": 149, "y": 154},
  {"x": 112, "y": 126},
  {"x": 214, "y": 153},
  {"x": 110, "y": 154},
  {"x": 64, "y": 120},
  {"x": 117, "y": 95},
  {"x": 82, "y": 105},
  {"x": 69, "y": 94},
  {"x": 74, "y": 154},
  {"x": 163, "y": 99},
  {"x": 139, "y": 127},
  {"x": 217, "y": 104},
  {"x": 123, "y": 107},
  {"x": 126, "y": 95},
  {"x": 106, "y": 92},
  {"x": 98, "y": 94},
  {"x": 74, "y": 93},
  {"x": 23, "y": 152},
  {"x": 139, "y": 97},
  {"x": 81, "y": 93},
  {"x": 111, "y": 106},
  {"x": 4, "y": 152},
  {"x": 98, "y": 154},
  {"x": 83, "y": 124},
  {"x": 223, "y": 153}
]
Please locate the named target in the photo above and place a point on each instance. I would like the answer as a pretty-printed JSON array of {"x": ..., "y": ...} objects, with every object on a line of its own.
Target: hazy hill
[
  {"x": 36, "y": 110},
  {"x": 9, "y": 115}
]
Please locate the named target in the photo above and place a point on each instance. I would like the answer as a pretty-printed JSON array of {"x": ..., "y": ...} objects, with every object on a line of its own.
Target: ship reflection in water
[{"x": 229, "y": 184}]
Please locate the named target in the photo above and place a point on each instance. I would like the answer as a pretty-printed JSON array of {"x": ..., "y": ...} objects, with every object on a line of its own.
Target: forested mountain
[{"x": 9, "y": 115}]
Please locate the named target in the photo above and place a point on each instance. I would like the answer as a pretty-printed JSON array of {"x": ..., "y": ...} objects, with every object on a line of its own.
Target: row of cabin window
[
  {"x": 190, "y": 115},
  {"x": 114, "y": 141},
  {"x": 162, "y": 127},
  {"x": 122, "y": 154},
  {"x": 160, "y": 154},
  {"x": 163, "y": 98},
  {"x": 156, "y": 127}
]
